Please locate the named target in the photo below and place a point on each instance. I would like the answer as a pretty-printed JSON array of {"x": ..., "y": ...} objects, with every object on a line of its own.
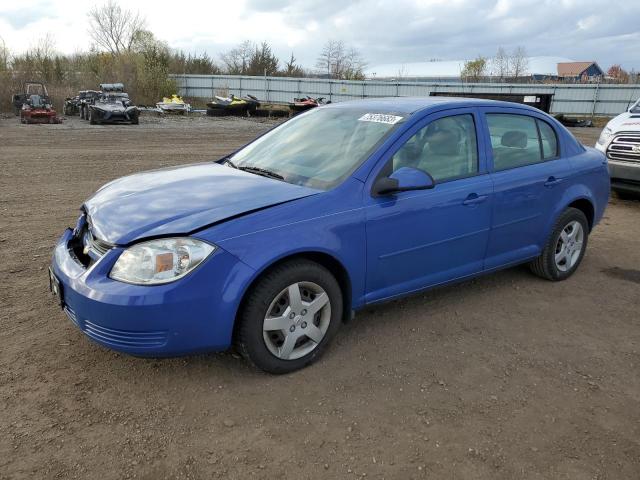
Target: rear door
[
  {"x": 529, "y": 177},
  {"x": 423, "y": 238}
]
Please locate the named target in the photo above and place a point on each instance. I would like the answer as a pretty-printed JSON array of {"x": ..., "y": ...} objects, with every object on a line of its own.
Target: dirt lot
[{"x": 503, "y": 377}]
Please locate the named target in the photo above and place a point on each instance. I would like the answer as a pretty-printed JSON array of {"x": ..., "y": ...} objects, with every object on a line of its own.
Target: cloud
[{"x": 385, "y": 31}]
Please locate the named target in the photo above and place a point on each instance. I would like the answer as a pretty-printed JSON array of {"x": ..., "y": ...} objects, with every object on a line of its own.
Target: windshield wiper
[
  {"x": 230, "y": 163},
  {"x": 261, "y": 171}
]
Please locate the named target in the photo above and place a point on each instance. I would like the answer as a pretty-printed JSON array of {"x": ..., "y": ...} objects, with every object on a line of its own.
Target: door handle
[
  {"x": 552, "y": 181},
  {"x": 474, "y": 199}
]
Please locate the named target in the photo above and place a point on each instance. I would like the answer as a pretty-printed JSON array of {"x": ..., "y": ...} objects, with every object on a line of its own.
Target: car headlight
[
  {"x": 605, "y": 136},
  {"x": 160, "y": 261}
]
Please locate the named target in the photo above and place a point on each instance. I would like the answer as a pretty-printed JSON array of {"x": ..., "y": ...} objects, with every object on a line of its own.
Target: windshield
[
  {"x": 113, "y": 99},
  {"x": 320, "y": 148}
]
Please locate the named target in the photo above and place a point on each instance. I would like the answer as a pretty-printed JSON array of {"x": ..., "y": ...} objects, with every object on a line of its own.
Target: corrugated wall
[{"x": 599, "y": 100}]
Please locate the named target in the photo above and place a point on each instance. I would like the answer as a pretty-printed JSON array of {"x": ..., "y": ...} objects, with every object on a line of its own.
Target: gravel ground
[{"x": 503, "y": 377}]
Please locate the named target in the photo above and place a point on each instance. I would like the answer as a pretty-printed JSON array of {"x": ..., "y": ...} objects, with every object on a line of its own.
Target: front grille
[
  {"x": 625, "y": 147},
  {"x": 85, "y": 246},
  {"x": 94, "y": 245}
]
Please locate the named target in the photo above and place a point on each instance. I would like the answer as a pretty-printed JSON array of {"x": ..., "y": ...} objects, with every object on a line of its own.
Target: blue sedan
[{"x": 271, "y": 248}]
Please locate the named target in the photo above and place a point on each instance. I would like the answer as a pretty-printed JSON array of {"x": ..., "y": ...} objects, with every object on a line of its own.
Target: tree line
[
  {"x": 503, "y": 66},
  {"x": 514, "y": 66},
  {"x": 124, "y": 50}
]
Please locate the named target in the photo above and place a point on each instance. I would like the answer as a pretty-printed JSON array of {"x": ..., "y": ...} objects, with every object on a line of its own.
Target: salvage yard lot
[{"x": 502, "y": 377}]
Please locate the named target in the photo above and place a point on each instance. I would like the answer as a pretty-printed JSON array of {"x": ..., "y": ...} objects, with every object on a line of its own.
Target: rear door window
[{"x": 515, "y": 141}]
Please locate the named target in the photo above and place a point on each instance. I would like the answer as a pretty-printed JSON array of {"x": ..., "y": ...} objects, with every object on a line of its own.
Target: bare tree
[
  {"x": 237, "y": 59},
  {"x": 330, "y": 58},
  {"x": 4, "y": 56},
  {"x": 402, "y": 72},
  {"x": 113, "y": 28},
  {"x": 340, "y": 62},
  {"x": 618, "y": 74},
  {"x": 41, "y": 56},
  {"x": 500, "y": 64},
  {"x": 353, "y": 66},
  {"x": 519, "y": 63}
]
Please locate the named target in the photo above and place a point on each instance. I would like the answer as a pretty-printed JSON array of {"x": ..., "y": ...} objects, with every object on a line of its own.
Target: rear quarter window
[{"x": 549, "y": 140}]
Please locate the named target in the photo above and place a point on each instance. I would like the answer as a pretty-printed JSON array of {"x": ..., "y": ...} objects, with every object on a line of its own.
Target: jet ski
[
  {"x": 305, "y": 103},
  {"x": 232, "y": 105},
  {"x": 173, "y": 104}
]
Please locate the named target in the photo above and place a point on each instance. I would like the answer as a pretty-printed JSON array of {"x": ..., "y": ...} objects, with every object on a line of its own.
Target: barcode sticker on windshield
[{"x": 380, "y": 118}]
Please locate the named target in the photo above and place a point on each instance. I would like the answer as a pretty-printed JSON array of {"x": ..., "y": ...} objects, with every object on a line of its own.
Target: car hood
[
  {"x": 625, "y": 122},
  {"x": 179, "y": 200}
]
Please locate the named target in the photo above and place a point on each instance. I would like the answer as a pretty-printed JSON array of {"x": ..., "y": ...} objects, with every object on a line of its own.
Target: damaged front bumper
[{"x": 193, "y": 314}]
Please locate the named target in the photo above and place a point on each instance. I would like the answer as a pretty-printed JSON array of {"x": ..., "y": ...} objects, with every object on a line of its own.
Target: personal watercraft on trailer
[
  {"x": 305, "y": 103},
  {"x": 173, "y": 104},
  {"x": 232, "y": 105}
]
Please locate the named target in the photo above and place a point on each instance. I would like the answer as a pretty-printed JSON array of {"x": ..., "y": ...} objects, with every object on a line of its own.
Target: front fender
[{"x": 336, "y": 230}]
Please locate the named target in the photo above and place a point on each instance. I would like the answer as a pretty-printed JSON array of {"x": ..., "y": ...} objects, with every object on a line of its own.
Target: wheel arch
[
  {"x": 325, "y": 259},
  {"x": 585, "y": 206}
]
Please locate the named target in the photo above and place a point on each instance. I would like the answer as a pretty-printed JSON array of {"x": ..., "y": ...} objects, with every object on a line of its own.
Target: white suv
[{"x": 620, "y": 141}]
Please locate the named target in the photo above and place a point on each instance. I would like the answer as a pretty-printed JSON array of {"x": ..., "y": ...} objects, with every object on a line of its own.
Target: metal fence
[{"x": 576, "y": 99}]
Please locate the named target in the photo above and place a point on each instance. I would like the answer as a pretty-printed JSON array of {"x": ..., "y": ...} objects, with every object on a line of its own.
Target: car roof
[{"x": 409, "y": 105}]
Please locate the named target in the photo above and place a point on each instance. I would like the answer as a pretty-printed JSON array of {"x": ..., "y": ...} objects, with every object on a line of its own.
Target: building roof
[
  {"x": 574, "y": 69},
  {"x": 452, "y": 68}
]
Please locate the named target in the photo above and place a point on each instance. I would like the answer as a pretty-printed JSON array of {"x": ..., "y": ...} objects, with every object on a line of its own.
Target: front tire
[
  {"x": 565, "y": 248},
  {"x": 289, "y": 317}
]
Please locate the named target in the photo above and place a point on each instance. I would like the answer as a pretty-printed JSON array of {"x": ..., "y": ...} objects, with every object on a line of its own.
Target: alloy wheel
[
  {"x": 569, "y": 246},
  {"x": 297, "y": 320}
]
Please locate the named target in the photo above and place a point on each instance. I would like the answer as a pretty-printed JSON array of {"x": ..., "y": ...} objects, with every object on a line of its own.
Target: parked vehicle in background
[
  {"x": 272, "y": 247},
  {"x": 71, "y": 106},
  {"x": 620, "y": 141},
  {"x": 232, "y": 105},
  {"x": 34, "y": 105},
  {"x": 86, "y": 98},
  {"x": 173, "y": 104},
  {"x": 113, "y": 105},
  {"x": 303, "y": 104},
  {"x": 113, "y": 108}
]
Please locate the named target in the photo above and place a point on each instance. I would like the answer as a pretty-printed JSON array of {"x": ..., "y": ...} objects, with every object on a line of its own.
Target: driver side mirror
[{"x": 403, "y": 180}]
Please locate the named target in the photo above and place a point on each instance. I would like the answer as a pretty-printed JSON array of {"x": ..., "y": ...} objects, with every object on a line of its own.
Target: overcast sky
[{"x": 385, "y": 31}]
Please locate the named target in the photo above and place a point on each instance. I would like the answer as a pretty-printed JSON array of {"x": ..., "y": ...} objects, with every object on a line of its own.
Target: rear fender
[{"x": 573, "y": 193}]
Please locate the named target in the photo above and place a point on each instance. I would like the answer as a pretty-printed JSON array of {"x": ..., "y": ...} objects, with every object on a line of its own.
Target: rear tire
[
  {"x": 314, "y": 312},
  {"x": 565, "y": 248}
]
